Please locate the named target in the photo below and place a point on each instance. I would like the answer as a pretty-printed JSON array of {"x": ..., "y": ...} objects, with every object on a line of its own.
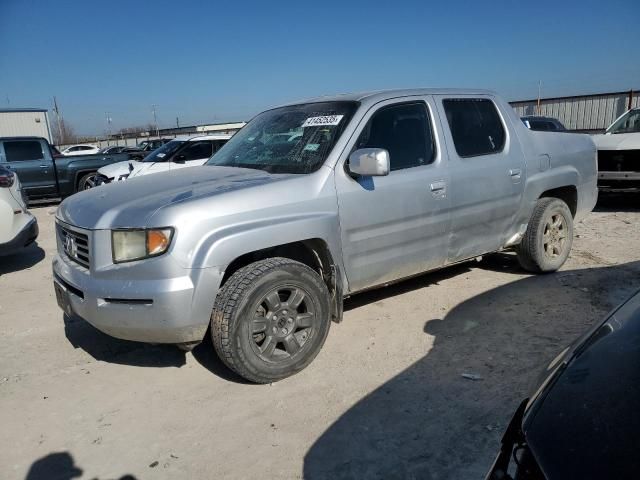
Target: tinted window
[
  {"x": 17, "y": 151},
  {"x": 405, "y": 131},
  {"x": 197, "y": 150},
  {"x": 540, "y": 125},
  {"x": 475, "y": 126}
]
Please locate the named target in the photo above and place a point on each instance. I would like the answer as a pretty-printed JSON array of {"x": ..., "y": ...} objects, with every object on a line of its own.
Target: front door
[
  {"x": 33, "y": 165},
  {"x": 487, "y": 171},
  {"x": 396, "y": 225}
]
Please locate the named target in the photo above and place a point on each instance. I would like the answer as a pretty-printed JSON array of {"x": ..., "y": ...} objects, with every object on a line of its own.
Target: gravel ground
[{"x": 384, "y": 399}]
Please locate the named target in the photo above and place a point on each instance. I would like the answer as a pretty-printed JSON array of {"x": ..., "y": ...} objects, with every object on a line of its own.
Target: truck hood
[
  {"x": 114, "y": 170},
  {"x": 618, "y": 141},
  {"x": 133, "y": 203}
]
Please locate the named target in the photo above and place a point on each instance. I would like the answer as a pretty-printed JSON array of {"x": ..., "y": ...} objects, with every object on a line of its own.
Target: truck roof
[{"x": 376, "y": 96}]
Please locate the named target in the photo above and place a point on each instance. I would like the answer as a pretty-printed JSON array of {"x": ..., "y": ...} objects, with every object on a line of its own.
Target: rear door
[
  {"x": 397, "y": 225},
  {"x": 487, "y": 174},
  {"x": 31, "y": 160}
]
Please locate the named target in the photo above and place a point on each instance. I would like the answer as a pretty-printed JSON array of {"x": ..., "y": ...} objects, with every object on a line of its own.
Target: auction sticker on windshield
[{"x": 322, "y": 121}]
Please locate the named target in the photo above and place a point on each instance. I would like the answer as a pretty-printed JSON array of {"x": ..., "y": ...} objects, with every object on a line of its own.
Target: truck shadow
[
  {"x": 104, "y": 348},
  {"x": 429, "y": 422},
  {"x": 618, "y": 202},
  {"x": 27, "y": 258}
]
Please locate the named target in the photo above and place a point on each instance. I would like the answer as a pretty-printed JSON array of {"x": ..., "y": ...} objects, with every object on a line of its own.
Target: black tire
[
  {"x": 265, "y": 337},
  {"x": 86, "y": 182},
  {"x": 547, "y": 242}
]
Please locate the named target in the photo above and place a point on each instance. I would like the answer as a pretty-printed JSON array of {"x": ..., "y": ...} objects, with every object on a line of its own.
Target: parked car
[
  {"x": 46, "y": 175},
  {"x": 619, "y": 154},
  {"x": 80, "y": 150},
  {"x": 18, "y": 228},
  {"x": 112, "y": 149},
  {"x": 543, "y": 124},
  {"x": 187, "y": 151},
  {"x": 581, "y": 422},
  {"x": 265, "y": 240}
]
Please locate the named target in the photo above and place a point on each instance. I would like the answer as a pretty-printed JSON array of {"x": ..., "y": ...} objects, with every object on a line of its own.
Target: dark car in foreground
[{"x": 582, "y": 421}]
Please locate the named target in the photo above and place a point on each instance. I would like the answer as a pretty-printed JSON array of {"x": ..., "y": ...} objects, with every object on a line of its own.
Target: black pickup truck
[{"x": 45, "y": 173}]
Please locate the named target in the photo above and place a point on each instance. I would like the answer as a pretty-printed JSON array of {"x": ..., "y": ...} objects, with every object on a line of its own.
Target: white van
[{"x": 186, "y": 151}]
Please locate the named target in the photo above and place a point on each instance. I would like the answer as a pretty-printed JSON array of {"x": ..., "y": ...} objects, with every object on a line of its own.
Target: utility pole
[
  {"x": 57, "y": 110},
  {"x": 539, "y": 92},
  {"x": 155, "y": 120},
  {"x": 108, "y": 118},
  {"x": 177, "y": 122}
]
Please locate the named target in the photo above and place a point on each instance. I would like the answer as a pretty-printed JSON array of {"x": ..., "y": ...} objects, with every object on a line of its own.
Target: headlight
[{"x": 129, "y": 245}]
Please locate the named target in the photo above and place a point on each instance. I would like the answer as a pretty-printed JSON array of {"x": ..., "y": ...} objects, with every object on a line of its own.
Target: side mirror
[
  {"x": 179, "y": 159},
  {"x": 369, "y": 162}
]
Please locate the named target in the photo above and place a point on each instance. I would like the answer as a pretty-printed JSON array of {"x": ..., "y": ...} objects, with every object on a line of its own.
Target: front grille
[
  {"x": 75, "y": 245},
  {"x": 619, "y": 160}
]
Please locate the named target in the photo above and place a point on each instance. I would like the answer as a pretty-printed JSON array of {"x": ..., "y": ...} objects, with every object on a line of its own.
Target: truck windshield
[
  {"x": 628, "y": 123},
  {"x": 292, "y": 139},
  {"x": 163, "y": 153}
]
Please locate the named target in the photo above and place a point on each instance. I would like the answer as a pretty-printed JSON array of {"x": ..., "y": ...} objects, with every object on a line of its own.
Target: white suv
[
  {"x": 80, "y": 150},
  {"x": 18, "y": 228},
  {"x": 181, "y": 152}
]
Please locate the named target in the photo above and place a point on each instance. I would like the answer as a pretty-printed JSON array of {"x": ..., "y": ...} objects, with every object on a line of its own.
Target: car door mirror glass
[{"x": 369, "y": 162}]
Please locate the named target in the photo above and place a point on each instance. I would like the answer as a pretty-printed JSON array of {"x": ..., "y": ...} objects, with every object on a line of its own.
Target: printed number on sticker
[{"x": 324, "y": 120}]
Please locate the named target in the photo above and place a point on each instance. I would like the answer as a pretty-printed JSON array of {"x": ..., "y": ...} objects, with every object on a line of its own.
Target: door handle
[
  {"x": 44, "y": 166},
  {"x": 515, "y": 172},
  {"x": 438, "y": 186}
]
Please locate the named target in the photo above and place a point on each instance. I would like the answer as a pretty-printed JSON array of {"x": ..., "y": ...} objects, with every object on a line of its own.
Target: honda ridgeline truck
[{"x": 310, "y": 203}]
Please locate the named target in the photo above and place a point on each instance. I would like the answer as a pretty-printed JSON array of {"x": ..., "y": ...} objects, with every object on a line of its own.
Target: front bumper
[
  {"x": 619, "y": 181},
  {"x": 152, "y": 310},
  {"x": 25, "y": 237}
]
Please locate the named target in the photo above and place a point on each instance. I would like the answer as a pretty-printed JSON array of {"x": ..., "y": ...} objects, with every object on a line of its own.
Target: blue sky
[{"x": 209, "y": 61}]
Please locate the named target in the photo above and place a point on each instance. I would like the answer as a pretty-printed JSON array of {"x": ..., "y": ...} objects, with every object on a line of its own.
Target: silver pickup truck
[{"x": 308, "y": 204}]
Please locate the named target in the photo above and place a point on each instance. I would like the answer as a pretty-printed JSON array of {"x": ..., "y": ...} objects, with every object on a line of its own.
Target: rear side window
[
  {"x": 405, "y": 131},
  {"x": 475, "y": 126},
  {"x": 21, "y": 150},
  {"x": 197, "y": 150}
]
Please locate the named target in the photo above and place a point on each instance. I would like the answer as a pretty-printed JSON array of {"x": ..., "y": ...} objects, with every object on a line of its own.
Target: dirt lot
[{"x": 384, "y": 399}]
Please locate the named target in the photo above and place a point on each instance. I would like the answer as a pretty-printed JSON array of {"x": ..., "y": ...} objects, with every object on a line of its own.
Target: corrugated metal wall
[
  {"x": 23, "y": 124},
  {"x": 585, "y": 113}
]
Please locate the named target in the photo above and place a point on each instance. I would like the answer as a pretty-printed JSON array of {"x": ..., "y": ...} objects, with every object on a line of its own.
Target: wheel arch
[
  {"x": 568, "y": 194},
  {"x": 313, "y": 252}
]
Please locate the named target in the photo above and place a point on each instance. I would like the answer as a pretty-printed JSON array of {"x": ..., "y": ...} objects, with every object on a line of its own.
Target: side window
[
  {"x": 405, "y": 131},
  {"x": 475, "y": 126},
  {"x": 20, "y": 150},
  {"x": 197, "y": 151},
  {"x": 217, "y": 145}
]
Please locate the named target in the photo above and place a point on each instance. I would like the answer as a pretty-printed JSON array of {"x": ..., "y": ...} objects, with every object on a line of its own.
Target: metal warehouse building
[
  {"x": 582, "y": 113},
  {"x": 22, "y": 122}
]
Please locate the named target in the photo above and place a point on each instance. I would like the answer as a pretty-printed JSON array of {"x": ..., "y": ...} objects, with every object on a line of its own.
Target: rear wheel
[
  {"x": 270, "y": 319},
  {"x": 547, "y": 242},
  {"x": 87, "y": 181}
]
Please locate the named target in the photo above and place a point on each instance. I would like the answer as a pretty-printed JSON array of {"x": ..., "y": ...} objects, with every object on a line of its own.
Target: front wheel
[
  {"x": 270, "y": 319},
  {"x": 547, "y": 242}
]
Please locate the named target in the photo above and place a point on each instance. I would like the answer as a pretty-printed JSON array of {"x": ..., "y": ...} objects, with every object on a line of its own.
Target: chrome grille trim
[{"x": 75, "y": 244}]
